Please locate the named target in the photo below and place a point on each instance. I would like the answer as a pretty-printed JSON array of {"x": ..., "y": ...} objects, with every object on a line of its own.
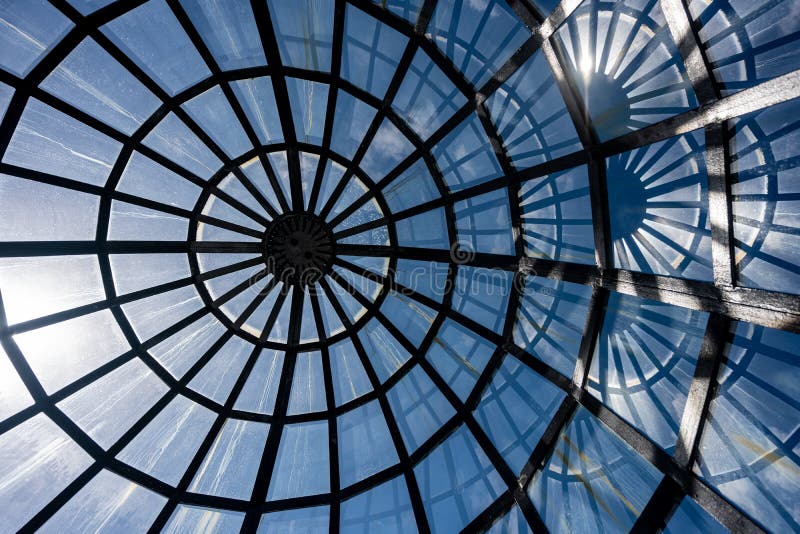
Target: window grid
[{"x": 781, "y": 308}]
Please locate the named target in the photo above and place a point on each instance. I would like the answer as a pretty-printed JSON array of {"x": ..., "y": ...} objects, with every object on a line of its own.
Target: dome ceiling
[{"x": 400, "y": 265}]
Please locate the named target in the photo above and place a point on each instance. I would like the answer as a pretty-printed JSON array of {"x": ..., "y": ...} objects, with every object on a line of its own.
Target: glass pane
[
  {"x": 459, "y": 355},
  {"x": 192, "y": 519},
  {"x": 515, "y": 409},
  {"x": 426, "y": 230},
  {"x": 108, "y": 407},
  {"x": 229, "y": 30},
  {"x": 689, "y": 517},
  {"x": 355, "y": 190},
  {"x": 179, "y": 352},
  {"x": 169, "y": 442},
  {"x": 108, "y": 503},
  {"x": 152, "y": 315},
  {"x": 371, "y": 52},
  {"x": 748, "y": 449},
  {"x": 482, "y": 295},
  {"x": 261, "y": 389},
  {"x": 388, "y": 148},
  {"x": 218, "y": 376},
  {"x": 414, "y": 186},
  {"x": 61, "y": 214},
  {"x": 173, "y": 139},
  {"x": 426, "y": 98},
  {"x": 30, "y": 29},
  {"x": 63, "y": 352},
  {"x": 258, "y": 101},
  {"x": 299, "y": 521},
  {"x": 351, "y": 121},
  {"x": 308, "y": 174},
  {"x": 465, "y": 156},
  {"x": 49, "y": 141},
  {"x": 153, "y": 37},
  {"x": 14, "y": 395},
  {"x": 91, "y": 80},
  {"x": 748, "y": 42},
  {"x": 642, "y": 368},
  {"x": 302, "y": 463},
  {"x": 625, "y": 65},
  {"x": 39, "y": 286},
  {"x": 145, "y": 178},
  {"x": 557, "y": 217},
  {"x": 484, "y": 223},
  {"x": 457, "y": 481},
  {"x": 426, "y": 278},
  {"x": 419, "y": 408},
  {"x": 350, "y": 380},
  {"x": 309, "y": 103},
  {"x": 550, "y": 321},
  {"x": 214, "y": 114},
  {"x": 38, "y": 461},
  {"x": 593, "y": 479},
  {"x": 365, "y": 445},
  {"x": 6, "y": 93},
  {"x": 531, "y": 117},
  {"x": 89, "y": 6},
  {"x": 135, "y": 223},
  {"x": 408, "y": 9},
  {"x": 304, "y": 30},
  {"x": 412, "y": 318},
  {"x": 280, "y": 165},
  {"x": 308, "y": 385},
  {"x": 479, "y": 37},
  {"x": 511, "y": 523},
  {"x": 231, "y": 465},
  {"x": 765, "y": 198},
  {"x": 658, "y": 207},
  {"x": 133, "y": 272},
  {"x": 385, "y": 508},
  {"x": 385, "y": 352}
]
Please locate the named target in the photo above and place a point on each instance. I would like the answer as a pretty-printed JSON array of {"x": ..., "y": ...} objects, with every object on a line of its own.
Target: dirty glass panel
[
  {"x": 230, "y": 468},
  {"x": 365, "y": 445},
  {"x": 593, "y": 479},
  {"x": 39, "y": 461},
  {"x": 229, "y": 30},
  {"x": 304, "y": 30},
  {"x": 456, "y": 482},
  {"x": 155, "y": 40},
  {"x": 419, "y": 408},
  {"x": 108, "y": 501},
  {"x": 764, "y": 195},
  {"x": 91, "y": 80},
  {"x": 748, "y": 451},
  {"x": 301, "y": 467}
]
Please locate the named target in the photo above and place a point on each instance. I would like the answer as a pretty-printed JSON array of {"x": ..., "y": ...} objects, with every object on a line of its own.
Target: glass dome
[{"x": 396, "y": 266}]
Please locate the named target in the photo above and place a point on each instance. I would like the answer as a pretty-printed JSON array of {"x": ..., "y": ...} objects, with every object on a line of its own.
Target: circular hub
[{"x": 298, "y": 248}]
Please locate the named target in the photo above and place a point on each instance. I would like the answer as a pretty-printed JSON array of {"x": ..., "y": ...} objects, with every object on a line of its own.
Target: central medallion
[{"x": 298, "y": 248}]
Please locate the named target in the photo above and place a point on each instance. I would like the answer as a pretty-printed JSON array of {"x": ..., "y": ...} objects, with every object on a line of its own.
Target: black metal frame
[{"x": 727, "y": 302}]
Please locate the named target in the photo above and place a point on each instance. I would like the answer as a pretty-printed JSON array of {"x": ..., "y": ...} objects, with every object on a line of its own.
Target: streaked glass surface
[
  {"x": 747, "y": 450},
  {"x": 764, "y": 198},
  {"x": 593, "y": 478},
  {"x": 456, "y": 481}
]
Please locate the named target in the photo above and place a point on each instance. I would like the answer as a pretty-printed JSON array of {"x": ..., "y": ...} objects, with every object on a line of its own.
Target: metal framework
[{"x": 725, "y": 300}]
